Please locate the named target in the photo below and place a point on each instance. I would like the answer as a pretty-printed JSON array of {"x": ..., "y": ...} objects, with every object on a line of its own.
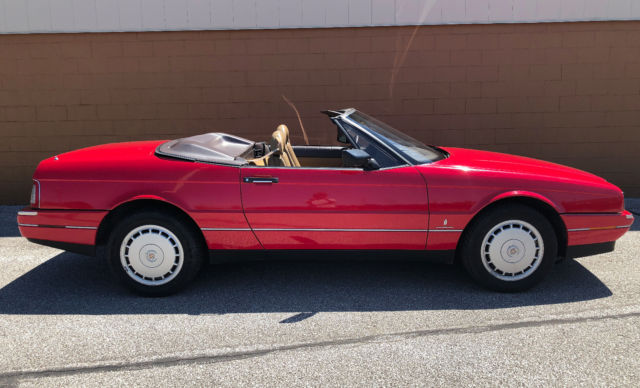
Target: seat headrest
[
  {"x": 284, "y": 130},
  {"x": 277, "y": 142}
]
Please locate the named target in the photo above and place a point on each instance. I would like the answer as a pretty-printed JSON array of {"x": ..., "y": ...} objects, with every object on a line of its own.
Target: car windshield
[{"x": 412, "y": 149}]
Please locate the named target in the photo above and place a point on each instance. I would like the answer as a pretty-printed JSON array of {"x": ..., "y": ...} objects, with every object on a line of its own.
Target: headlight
[{"x": 35, "y": 194}]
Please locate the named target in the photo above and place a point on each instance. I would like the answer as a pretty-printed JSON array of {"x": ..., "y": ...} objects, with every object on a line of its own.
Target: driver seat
[
  {"x": 287, "y": 148},
  {"x": 277, "y": 146}
]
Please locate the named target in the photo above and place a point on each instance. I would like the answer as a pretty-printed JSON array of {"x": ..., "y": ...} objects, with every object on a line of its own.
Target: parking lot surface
[{"x": 64, "y": 322}]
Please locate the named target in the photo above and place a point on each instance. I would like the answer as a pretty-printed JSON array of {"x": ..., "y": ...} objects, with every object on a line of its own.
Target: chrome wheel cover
[
  {"x": 512, "y": 250},
  {"x": 151, "y": 255}
]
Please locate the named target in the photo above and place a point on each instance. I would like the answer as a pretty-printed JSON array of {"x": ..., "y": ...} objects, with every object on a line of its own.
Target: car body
[{"x": 380, "y": 191}]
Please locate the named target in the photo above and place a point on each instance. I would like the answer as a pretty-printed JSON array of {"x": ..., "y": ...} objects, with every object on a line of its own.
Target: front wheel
[
  {"x": 510, "y": 248},
  {"x": 154, "y": 254}
]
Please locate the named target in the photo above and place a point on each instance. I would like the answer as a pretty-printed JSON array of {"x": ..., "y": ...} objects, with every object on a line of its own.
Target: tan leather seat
[
  {"x": 263, "y": 161},
  {"x": 281, "y": 152},
  {"x": 288, "y": 149},
  {"x": 277, "y": 146}
]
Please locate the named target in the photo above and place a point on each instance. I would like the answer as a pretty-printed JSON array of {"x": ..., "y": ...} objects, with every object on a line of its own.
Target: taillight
[{"x": 35, "y": 194}]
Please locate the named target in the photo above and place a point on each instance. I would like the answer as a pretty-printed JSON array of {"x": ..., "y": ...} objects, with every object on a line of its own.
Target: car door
[{"x": 336, "y": 208}]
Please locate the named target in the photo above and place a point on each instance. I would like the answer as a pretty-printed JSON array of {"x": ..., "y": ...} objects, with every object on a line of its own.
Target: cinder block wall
[{"x": 564, "y": 92}]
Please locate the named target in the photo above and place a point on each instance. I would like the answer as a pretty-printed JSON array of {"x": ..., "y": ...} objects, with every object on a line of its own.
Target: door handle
[{"x": 260, "y": 179}]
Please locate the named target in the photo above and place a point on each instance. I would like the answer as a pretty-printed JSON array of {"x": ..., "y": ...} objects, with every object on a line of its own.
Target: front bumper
[
  {"x": 587, "y": 229},
  {"x": 60, "y": 226}
]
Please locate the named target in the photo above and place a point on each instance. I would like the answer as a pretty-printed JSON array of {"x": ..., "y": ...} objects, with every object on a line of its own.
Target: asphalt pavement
[{"x": 64, "y": 322}]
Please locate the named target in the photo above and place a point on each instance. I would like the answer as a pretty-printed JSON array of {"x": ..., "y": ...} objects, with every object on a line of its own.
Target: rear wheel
[
  {"x": 510, "y": 248},
  {"x": 154, "y": 254}
]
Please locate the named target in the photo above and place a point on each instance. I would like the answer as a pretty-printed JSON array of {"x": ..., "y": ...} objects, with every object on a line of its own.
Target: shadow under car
[{"x": 74, "y": 284}]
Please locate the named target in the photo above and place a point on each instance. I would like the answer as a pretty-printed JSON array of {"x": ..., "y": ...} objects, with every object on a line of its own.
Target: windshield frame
[{"x": 388, "y": 144}]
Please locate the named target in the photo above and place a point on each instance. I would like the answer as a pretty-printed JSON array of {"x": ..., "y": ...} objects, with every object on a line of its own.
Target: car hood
[
  {"x": 498, "y": 162},
  {"x": 474, "y": 172}
]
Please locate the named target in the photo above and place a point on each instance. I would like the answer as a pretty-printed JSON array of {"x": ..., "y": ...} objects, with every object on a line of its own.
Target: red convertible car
[{"x": 161, "y": 208}]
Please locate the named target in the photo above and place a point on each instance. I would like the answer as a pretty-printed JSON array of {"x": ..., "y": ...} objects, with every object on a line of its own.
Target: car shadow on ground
[
  {"x": 8, "y": 222},
  {"x": 74, "y": 284}
]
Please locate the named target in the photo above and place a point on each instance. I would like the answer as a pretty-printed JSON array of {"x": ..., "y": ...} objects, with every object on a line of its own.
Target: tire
[
  {"x": 510, "y": 248},
  {"x": 154, "y": 254}
]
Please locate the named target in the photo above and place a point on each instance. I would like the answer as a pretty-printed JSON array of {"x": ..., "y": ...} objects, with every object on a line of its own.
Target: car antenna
[{"x": 304, "y": 133}]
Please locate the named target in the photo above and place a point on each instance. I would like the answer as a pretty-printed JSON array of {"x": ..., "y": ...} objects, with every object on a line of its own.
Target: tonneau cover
[{"x": 211, "y": 147}]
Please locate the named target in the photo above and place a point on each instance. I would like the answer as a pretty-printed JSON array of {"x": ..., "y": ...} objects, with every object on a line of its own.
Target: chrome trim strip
[
  {"x": 60, "y": 226},
  {"x": 326, "y": 230},
  {"x": 591, "y": 214},
  {"x": 599, "y": 228},
  {"x": 322, "y": 168},
  {"x": 224, "y": 229},
  {"x": 27, "y": 213},
  {"x": 334, "y": 230}
]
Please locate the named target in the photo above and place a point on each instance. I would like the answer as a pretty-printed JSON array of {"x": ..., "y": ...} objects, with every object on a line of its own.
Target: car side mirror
[{"x": 359, "y": 159}]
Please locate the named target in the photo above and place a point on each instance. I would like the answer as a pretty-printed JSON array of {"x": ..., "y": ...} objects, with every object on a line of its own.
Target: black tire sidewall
[
  {"x": 192, "y": 247},
  {"x": 472, "y": 242}
]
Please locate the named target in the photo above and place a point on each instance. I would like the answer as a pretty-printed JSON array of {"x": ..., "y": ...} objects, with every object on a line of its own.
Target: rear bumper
[
  {"x": 60, "y": 226},
  {"x": 587, "y": 229}
]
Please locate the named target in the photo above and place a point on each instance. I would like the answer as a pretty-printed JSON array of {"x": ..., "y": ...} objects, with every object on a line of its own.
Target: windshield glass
[{"x": 412, "y": 149}]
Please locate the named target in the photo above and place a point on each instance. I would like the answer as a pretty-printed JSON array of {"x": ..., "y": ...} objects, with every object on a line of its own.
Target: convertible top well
[{"x": 212, "y": 147}]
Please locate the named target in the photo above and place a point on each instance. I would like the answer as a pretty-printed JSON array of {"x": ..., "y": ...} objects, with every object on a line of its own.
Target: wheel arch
[
  {"x": 138, "y": 204},
  {"x": 535, "y": 201}
]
